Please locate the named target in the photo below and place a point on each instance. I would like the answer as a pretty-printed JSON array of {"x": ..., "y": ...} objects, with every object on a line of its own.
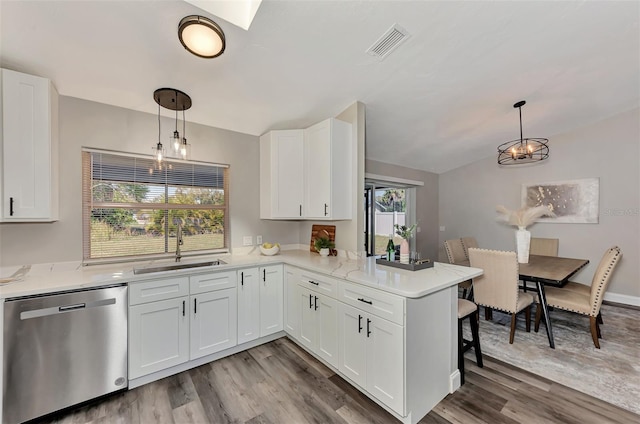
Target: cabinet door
[
  {"x": 291, "y": 301},
  {"x": 29, "y": 158},
  {"x": 353, "y": 343},
  {"x": 248, "y": 305},
  {"x": 307, "y": 318},
  {"x": 271, "y": 300},
  {"x": 213, "y": 322},
  {"x": 385, "y": 362},
  {"x": 327, "y": 328},
  {"x": 158, "y": 336},
  {"x": 281, "y": 174},
  {"x": 317, "y": 144}
]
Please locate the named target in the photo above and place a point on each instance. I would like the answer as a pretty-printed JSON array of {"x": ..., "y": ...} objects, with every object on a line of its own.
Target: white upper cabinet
[
  {"x": 328, "y": 170},
  {"x": 29, "y": 176},
  {"x": 307, "y": 174},
  {"x": 281, "y": 174}
]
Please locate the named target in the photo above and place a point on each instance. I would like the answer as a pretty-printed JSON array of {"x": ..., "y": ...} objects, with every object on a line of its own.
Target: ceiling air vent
[{"x": 391, "y": 39}]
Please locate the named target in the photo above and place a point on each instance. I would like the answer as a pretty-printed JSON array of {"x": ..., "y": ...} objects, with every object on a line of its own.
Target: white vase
[
  {"x": 404, "y": 252},
  {"x": 324, "y": 252},
  {"x": 523, "y": 240}
]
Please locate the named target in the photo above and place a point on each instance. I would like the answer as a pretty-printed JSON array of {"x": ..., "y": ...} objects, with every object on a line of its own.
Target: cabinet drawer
[
  {"x": 155, "y": 290},
  {"x": 376, "y": 302},
  {"x": 203, "y": 283},
  {"x": 320, "y": 283}
]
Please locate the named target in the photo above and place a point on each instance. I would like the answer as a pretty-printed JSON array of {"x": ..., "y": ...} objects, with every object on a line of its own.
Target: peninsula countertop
[{"x": 50, "y": 278}]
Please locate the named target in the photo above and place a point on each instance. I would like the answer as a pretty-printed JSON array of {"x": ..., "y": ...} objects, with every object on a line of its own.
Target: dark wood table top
[{"x": 551, "y": 270}]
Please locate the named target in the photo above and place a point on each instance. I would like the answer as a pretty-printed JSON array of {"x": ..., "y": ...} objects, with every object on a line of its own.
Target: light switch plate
[
  {"x": 442, "y": 228},
  {"x": 258, "y": 239},
  {"x": 247, "y": 241}
]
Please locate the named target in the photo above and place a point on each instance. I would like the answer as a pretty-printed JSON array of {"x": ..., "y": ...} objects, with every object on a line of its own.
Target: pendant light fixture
[
  {"x": 159, "y": 149},
  {"x": 173, "y": 99},
  {"x": 523, "y": 150},
  {"x": 201, "y": 36}
]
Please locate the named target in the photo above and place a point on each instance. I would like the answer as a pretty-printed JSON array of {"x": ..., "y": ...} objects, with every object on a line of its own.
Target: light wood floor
[{"x": 280, "y": 383}]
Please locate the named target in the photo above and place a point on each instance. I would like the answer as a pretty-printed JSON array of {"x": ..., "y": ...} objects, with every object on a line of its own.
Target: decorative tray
[{"x": 415, "y": 266}]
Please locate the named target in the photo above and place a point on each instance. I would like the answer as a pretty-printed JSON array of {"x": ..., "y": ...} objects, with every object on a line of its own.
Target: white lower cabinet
[
  {"x": 319, "y": 324},
  {"x": 213, "y": 322},
  {"x": 158, "y": 336},
  {"x": 168, "y": 327},
  {"x": 260, "y": 302},
  {"x": 291, "y": 301}
]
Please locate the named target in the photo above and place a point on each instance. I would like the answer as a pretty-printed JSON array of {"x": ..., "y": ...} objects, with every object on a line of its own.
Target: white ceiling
[{"x": 443, "y": 99}]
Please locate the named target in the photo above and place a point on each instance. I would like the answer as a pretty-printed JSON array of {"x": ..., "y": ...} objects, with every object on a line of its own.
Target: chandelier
[
  {"x": 173, "y": 99},
  {"x": 523, "y": 150}
]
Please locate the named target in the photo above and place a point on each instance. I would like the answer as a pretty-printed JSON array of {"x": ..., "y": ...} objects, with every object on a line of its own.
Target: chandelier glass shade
[{"x": 523, "y": 150}]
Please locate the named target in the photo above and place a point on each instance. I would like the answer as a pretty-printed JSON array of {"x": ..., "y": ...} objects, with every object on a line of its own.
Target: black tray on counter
[{"x": 410, "y": 266}]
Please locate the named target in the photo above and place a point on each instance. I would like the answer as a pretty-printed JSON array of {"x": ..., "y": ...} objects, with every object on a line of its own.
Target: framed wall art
[{"x": 572, "y": 201}]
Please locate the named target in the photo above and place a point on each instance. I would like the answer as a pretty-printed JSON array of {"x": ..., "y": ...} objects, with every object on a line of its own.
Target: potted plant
[
  {"x": 406, "y": 233},
  {"x": 522, "y": 218},
  {"x": 323, "y": 245}
]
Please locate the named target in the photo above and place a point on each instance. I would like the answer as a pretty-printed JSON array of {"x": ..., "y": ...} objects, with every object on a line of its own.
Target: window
[
  {"x": 385, "y": 206},
  {"x": 132, "y": 207}
]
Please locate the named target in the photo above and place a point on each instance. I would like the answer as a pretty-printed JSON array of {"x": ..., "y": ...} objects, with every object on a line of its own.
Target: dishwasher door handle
[{"x": 36, "y": 313}]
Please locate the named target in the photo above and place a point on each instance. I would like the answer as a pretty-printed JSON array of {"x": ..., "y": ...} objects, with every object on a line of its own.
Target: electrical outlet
[
  {"x": 258, "y": 239},
  {"x": 442, "y": 228},
  {"x": 247, "y": 241}
]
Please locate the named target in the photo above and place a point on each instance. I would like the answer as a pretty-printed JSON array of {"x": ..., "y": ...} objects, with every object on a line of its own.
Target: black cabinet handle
[
  {"x": 365, "y": 301},
  {"x": 242, "y": 278},
  {"x": 313, "y": 282},
  {"x": 10, "y": 206},
  {"x": 325, "y": 209},
  {"x": 316, "y": 303},
  {"x": 264, "y": 275},
  {"x": 195, "y": 306},
  {"x": 300, "y": 210},
  {"x": 359, "y": 323},
  {"x": 368, "y": 330},
  {"x": 310, "y": 301},
  {"x": 183, "y": 306}
]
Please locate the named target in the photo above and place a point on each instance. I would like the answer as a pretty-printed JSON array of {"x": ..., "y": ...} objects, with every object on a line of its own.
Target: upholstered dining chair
[
  {"x": 544, "y": 246},
  {"x": 468, "y": 310},
  {"x": 468, "y": 242},
  {"x": 497, "y": 287},
  {"x": 582, "y": 299},
  {"x": 456, "y": 254}
]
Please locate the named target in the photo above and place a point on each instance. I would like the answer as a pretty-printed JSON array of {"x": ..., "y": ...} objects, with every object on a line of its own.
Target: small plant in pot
[{"x": 323, "y": 245}]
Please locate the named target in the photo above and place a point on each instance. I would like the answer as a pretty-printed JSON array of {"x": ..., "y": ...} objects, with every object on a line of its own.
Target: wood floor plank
[{"x": 280, "y": 383}]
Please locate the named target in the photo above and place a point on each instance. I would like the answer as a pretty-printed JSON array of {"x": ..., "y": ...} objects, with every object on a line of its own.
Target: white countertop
[{"x": 411, "y": 284}]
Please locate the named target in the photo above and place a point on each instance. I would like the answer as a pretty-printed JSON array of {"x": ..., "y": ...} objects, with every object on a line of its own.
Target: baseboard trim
[
  {"x": 622, "y": 299},
  {"x": 454, "y": 381}
]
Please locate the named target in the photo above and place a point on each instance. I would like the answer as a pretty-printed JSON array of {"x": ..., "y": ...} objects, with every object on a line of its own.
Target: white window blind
[{"x": 132, "y": 207}]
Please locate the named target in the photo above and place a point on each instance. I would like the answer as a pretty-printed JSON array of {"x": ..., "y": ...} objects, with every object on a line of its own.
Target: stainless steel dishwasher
[{"x": 62, "y": 349}]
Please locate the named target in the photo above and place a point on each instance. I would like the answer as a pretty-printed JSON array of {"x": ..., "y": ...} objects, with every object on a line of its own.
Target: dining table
[{"x": 547, "y": 271}]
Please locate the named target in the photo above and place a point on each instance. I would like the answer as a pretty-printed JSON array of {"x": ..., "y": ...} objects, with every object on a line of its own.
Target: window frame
[{"x": 88, "y": 204}]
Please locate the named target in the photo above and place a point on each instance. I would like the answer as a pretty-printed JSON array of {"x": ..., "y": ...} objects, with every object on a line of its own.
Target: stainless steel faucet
[{"x": 179, "y": 242}]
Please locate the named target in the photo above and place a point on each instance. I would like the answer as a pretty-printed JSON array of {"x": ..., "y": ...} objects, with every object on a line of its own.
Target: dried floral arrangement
[
  {"x": 523, "y": 217},
  {"x": 404, "y": 231}
]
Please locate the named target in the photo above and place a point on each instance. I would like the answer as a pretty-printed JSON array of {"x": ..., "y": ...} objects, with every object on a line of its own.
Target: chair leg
[
  {"x": 536, "y": 327},
  {"x": 513, "y": 327},
  {"x": 473, "y": 321},
  {"x": 594, "y": 331},
  {"x": 527, "y": 318},
  {"x": 599, "y": 317},
  {"x": 460, "y": 352},
  {"x": 488, "y": 314}
]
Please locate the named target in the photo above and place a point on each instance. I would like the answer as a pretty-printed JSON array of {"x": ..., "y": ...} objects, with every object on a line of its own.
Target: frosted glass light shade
[{"x": 201, "y": 36}]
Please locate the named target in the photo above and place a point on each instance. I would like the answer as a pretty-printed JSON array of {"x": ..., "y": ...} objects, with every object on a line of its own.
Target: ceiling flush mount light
[
  {"x": 523, "y": 150},
  {"x": 201, "y": 36},
  {"x": 173, "y": 99}
]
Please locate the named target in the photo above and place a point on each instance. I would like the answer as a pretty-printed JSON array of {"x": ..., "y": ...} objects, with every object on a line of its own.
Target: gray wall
[
  {"x": 89, "y": 124},
  {"x": 426, "y": 203},
  {"x": 609, "y": 150}
]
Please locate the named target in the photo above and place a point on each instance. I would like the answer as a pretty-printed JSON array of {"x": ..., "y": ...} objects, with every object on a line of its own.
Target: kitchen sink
[{"x": 171, "y": 267}]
